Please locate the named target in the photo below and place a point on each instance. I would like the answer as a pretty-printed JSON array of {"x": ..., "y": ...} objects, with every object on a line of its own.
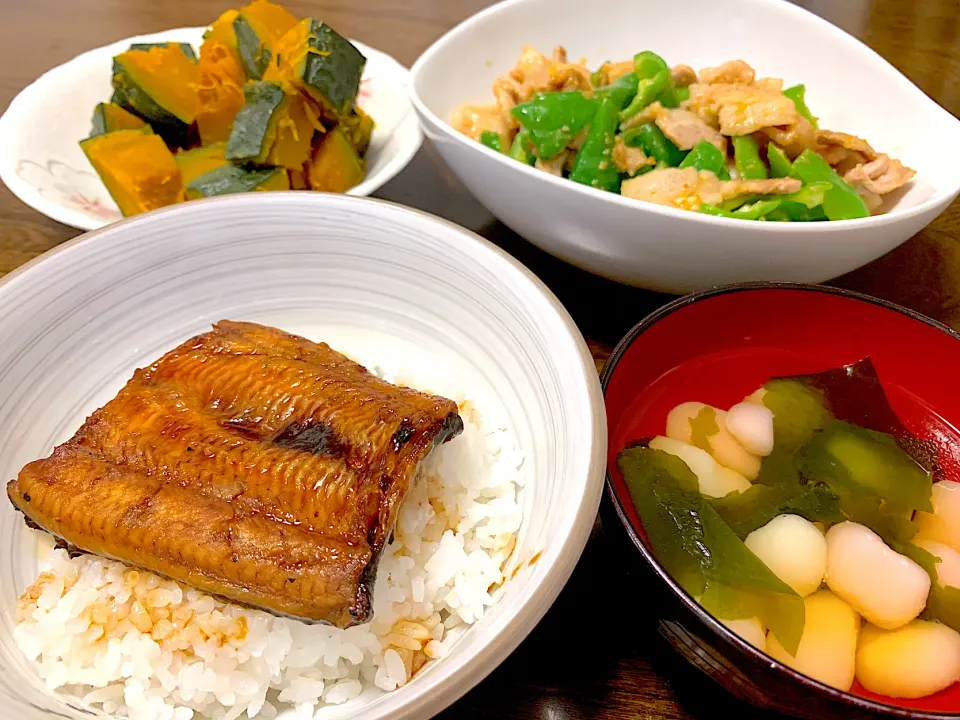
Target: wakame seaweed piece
[
  {"x": 799, "y": 410},
  {"x": 740, "y": 585},
  {"x": 862, "y": 462},
  {"x": 893, "y": 524},
  {"x": 666, "y": 495},
  {"x": 185, "y": 48},
  {"x": 855, "y": 393},
  {"x": 699, "y": 549},
  {"x": 702, "y": 427},
  {"x": 753, "y": 508},
  {"x": 943, "y": 603},
  {"x": 553, "y": 119}
]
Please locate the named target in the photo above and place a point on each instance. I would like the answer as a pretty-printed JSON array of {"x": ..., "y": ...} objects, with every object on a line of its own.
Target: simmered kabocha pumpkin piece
[
  {"x": 219, "y": 91},
  {"x": 358, "y": 128},
  {"x": 108, "y": 117},
  {"x": 298, "y": 180},
  {"x": 335, "y": 165},
  {"x": 160, "y": 85},
  {"x": 221, "y": 30},
  {"x": 186, "y": 48},
  {"x": 200, "y": 161},
  {"x": 320, "y": 62},
  {"x": 272, "y": 128},
  {"x": 230, "y": 179},
  {"x": 137, "y": 168},
  {"x": 258, "y": 28}
]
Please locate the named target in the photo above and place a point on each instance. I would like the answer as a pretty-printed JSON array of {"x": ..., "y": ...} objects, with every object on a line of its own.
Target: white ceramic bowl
[
  {"x": 75, "y": 323},
  {"x": 849, "y": 87},
  {"x": 42, "y": 164}
]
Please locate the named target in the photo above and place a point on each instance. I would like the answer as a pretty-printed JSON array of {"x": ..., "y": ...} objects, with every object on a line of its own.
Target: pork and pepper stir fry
[{"x": 721, "y": 142}]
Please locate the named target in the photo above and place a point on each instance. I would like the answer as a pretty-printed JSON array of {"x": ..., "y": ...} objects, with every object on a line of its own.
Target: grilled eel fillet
[{"x": 249, "y": 463}]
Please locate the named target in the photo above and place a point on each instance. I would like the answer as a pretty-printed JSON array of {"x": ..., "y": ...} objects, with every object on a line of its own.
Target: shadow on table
[{"x": 603, "y": 310}]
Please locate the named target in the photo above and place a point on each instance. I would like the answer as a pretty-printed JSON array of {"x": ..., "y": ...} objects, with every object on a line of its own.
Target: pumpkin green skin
[
  {"x": 249, "y": 139},
  {"x": 108, "y": 117},
  {"x": 230, "y": 179},
  {"x": 334, "y": 70},
  {"x": 254, "y": 56},
  {"x": 186, "y": 48},
  {"x": 134, "y": 99}
]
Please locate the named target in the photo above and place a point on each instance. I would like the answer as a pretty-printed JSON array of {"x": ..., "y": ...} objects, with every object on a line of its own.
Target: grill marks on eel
[{"x": 250, "y": 463}]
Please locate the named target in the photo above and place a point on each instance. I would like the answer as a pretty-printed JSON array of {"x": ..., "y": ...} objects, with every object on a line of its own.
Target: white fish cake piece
[
  {"x": 914, "y": 661},
  {"x": 713, "y": 479},
  {"x": 751, "y": 424},
  {"x": 723, "y": 446},
  {"x": 749, "y": 629},
  {"x": 888, "y": 589},
  {"x": 948, "y": 569},
  {"x": 828, "y": 646},
  {"x": 794, "y": 549},
  {"x": 943, "y": 524}
]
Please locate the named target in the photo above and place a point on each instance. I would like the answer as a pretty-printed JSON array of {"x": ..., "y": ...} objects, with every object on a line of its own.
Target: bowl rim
[
  {"x": 452, "y": 680},
  {"x": 714, "y": 625},
  {"x": 940, "y": 197},
  {"x": 24, "y": 192}
]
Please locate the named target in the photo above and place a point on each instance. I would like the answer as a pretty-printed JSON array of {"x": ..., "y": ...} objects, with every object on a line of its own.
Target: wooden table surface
[{"x": 566, "y": 668}]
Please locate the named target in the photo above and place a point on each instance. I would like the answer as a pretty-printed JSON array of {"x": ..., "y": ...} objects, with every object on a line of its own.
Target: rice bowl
[
  {"x": 429, "y": 304},
  {"x": 133, "y": 644}
]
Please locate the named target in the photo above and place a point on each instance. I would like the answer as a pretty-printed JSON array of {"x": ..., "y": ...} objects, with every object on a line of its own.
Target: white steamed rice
[{"x": 130, "y": 643}]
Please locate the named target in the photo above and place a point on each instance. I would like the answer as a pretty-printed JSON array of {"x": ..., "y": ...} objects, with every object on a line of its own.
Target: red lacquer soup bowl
[{"x": 720, "y": 345}]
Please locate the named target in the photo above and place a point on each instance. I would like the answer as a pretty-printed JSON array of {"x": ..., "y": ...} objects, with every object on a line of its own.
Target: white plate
[
  {"x": 42, "y": 164},
  {"x": 75, "y": 323},
  {"x": 849, "y": 86}
]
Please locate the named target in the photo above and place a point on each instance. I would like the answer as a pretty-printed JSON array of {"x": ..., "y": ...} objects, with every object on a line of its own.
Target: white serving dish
[
  {"x": 42, "y": 164},
  {"x": 849, "y": 87},
  {"x": 77, "y": 321}
]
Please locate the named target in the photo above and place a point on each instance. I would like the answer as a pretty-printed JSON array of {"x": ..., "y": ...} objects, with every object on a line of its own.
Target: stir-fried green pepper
[
  {"x": 752, "y": 211},
  {"x": 682, "y": 94},
  {"x": 622, "y": 90},
  {"x": 647, "y": 91},
  {"x": 647, "y": 64},
  {"x": 701, "y": 552},
  {"x": 780, "y": 165},
  {"x": 706, "y": 156},
  {"x": 553, "y": 119},
  {"x": 521, "y": 148},
  {"x": 654, "y": 143},
  {"x": 492, "y": 140},
  {"x": 805, "y": 205},
  {"x": 746, "y": 154},
  {"x": 841, "y": 201},
  {"x": 598, "y": 77},
  {"x": 865, "y": 463},
  {"x": 797, "y": 93},
  {"x": 594, "y": 164}
]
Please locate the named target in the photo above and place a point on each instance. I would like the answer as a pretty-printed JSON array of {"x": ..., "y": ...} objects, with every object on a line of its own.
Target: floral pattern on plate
[{"x": 60, "y": 183}]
